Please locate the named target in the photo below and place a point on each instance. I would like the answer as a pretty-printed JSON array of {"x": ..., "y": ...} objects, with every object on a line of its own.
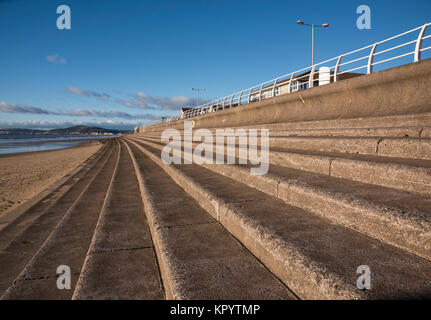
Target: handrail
[{"x": 305, "y": 78}]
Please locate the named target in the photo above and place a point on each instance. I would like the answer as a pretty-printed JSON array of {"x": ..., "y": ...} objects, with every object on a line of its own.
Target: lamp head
[
  {"x": 325, "y": 25},
  {"x": 300, "y": 22}
]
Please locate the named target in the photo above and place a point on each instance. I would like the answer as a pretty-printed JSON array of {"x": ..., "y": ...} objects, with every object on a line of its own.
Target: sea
[{"x": 32, "y": 143}]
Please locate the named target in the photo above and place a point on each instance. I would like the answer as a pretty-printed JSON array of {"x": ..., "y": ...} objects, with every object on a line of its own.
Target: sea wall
[{"x": 404, "y": 90}]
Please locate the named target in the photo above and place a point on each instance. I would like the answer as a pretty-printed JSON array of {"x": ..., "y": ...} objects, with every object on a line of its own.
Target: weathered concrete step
[
  {"x": 391, "y": 123},
  {"x": 279, "y": 131},
  {"x": 198, "y": 258},
  {"x": 66, "y": 245},
  {"x": 16, "y": 222},
  {"x": 314, "y": 257},
  {"x": 121, "y": 262},
  {"x": 414, "y": 148},
  {"x": 400, "y": 218},
  {"x": 422, "y": 120},
  {"x": 398, "y": 132},
  {"x": 25, "y": 243},
  {"x": 412, "y": 175}
]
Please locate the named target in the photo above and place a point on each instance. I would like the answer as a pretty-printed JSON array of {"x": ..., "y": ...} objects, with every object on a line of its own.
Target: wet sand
[{"x": 24, "y": 175}]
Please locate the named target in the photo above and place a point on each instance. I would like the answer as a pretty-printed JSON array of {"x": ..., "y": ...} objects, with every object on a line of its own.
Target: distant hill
[
  {"x": 76, "y": 130},
  {"x": 86, "y": 130}
]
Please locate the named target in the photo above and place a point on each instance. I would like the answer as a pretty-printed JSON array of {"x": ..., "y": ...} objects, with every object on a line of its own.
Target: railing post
[
  {"x": 249, "y": 95},
  {"x": 311, "y": 80},
  {"x": 289, "y": 88},
  {"x": 231, "y": 101},
  {"x": 419, "y": 44},
  {"x": 239, "y": 99},
  {"x": 371, "y": 59},
  {"x": 274, "y": 86},
  {"x": 337, "y": 68},
  {"x": 224, "y": 102},
  {"x": 260, "y": 92}
]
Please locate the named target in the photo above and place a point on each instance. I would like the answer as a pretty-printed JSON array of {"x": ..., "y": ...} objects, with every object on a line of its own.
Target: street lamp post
[
  {"x": 325, "y": 25},
  {"x": 197, "y": 94}
]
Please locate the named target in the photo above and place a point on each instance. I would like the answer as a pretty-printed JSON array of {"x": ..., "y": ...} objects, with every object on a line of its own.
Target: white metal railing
[{"x": 309, "y": 77}]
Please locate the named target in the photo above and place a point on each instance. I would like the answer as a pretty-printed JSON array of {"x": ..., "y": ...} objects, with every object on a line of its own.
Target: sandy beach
[{"x": 24, "y": 175}]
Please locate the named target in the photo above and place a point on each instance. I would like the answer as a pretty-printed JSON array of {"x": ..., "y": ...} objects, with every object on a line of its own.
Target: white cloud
[
  {"x": 88, "y": 93},
  {"x": 13, "y": 108},
  {"x": 56, "y": 59},
  {"x": 77, "y": 91},
  {"x": 142, "y": 100}
]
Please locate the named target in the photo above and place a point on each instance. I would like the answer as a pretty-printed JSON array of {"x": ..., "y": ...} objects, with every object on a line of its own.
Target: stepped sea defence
[{"x": 338, "y": 206}]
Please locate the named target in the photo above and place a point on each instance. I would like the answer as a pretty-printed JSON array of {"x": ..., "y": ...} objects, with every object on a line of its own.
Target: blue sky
[{"x": 126, "y": 62}]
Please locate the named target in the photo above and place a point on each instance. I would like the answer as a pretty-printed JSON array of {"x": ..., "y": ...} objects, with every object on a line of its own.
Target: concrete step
[
  {"x": 121, "y": 262},
  {"x": 66, "y": 245},
  {"x": 198, "y": 258},
  {"x": 412, "y": 148},
  {"x": 400, "y": 218},
  {"x": 413, "y": 132},
  {"x": 25, "y": 242},
  {"x": 394, "y": 124},
  {"x": 313, "y": 256},
  {"x": 279, "y": 131},
  {"x": 413, "y": 175}
]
